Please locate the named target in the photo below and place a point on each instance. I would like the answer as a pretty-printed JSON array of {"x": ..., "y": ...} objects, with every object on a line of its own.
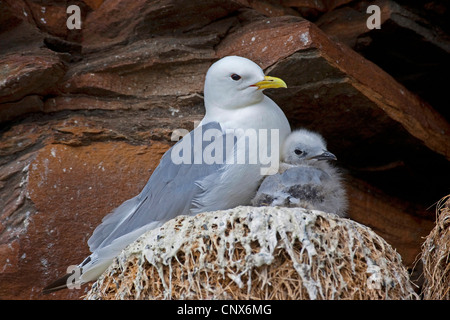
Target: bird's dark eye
[
  {"x": 235, "y": 77},
  {"x": 298, "y": 152}
]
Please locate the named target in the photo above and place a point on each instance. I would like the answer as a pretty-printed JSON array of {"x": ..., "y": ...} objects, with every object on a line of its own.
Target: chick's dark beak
[{"x": 326, "y": 155}]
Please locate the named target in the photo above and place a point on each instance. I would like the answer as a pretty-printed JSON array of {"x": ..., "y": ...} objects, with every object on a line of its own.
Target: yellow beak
[{"x": 270, "y": 82}]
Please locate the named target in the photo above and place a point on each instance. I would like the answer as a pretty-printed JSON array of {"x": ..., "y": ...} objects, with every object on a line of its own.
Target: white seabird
[
  {"x": 305, "y": 179},
  {"x": 234, "y": 102}
]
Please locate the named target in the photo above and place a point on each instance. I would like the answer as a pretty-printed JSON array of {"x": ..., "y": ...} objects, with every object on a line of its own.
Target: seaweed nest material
[
  {"x": 257, "y": 253},
  {"x": 436, "y": 255}
]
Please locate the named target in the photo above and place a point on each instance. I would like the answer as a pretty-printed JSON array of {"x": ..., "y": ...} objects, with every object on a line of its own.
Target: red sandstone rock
[
  {"x": 391, "y": 218},
  {"x": 51, "y": 19},
  {"x": 117, "y": 22},
  {"x": 94, "y": 4},
  {"x": 72, "y": 188},
  {"x": 28, "y": 104},
  {"x": 269, "y": 8},
  {"x": 267, "y": 40},
  {"x": 261, "y": 41},
  {"x": 9, "y": 257},
  {"x": 23, "y": 75},
  {"x": 409, "y": 38}
]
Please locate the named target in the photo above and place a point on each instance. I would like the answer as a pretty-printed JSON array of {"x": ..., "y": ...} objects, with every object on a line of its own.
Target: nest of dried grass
[
  {"x": 436, "y": 255},
  {"x": 257, "y": 253}
]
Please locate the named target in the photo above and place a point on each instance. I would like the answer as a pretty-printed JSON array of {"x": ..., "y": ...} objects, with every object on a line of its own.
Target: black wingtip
[{"x": 57, "y": 285}]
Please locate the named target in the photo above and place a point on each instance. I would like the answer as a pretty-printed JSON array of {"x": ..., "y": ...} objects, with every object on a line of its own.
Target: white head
[
  {"x": 235, "y": 82},
  {"x": 304, "y": 146}
]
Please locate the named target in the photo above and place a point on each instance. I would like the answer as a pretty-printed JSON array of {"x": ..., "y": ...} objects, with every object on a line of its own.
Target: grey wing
[
  {"x": 268, "y": 192},
  {"x": 167, "y": 194},
  {"x": 298, "y": 175},
  {"x": 301, "y": 175},
  {"x": 277, "y": 189}
]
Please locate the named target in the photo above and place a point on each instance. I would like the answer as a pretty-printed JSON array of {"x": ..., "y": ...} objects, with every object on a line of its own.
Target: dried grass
[
  {"x": 257, "y": 253},
  {"x": 436, "y": 255}
]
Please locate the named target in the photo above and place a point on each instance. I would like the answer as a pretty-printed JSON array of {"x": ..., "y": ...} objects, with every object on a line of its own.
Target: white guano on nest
[{"x": 257, "y": 253}]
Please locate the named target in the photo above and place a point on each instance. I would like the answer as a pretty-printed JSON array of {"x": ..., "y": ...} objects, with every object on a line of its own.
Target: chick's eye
[
  {"x": 235, "y": 77},
  {"x": 298, "y": 152}
]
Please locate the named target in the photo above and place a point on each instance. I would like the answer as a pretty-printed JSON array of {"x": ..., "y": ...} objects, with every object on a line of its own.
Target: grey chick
[{"x": 305, "y": 178}]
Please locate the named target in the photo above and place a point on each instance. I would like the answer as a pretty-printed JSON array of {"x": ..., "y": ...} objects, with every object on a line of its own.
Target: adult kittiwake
[
  {"x": 305, "y": 179},
  {"x": 219, "y": 165}
]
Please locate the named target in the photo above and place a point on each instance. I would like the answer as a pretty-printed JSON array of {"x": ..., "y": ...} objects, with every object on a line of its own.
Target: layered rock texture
[{"x": 86, "y": 114}]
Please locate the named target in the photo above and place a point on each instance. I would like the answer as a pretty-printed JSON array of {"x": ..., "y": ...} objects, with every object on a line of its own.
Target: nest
[
  {"x": 436, "y": 255},
  {"x": 257, "y": 253}
]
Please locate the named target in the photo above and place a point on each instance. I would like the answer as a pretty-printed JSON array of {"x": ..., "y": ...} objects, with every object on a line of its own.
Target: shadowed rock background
[{"x": 85, "y": 115}]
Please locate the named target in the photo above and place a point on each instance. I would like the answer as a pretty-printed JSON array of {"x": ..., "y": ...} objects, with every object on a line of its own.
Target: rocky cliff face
[{"x": 86, "y": 114}]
